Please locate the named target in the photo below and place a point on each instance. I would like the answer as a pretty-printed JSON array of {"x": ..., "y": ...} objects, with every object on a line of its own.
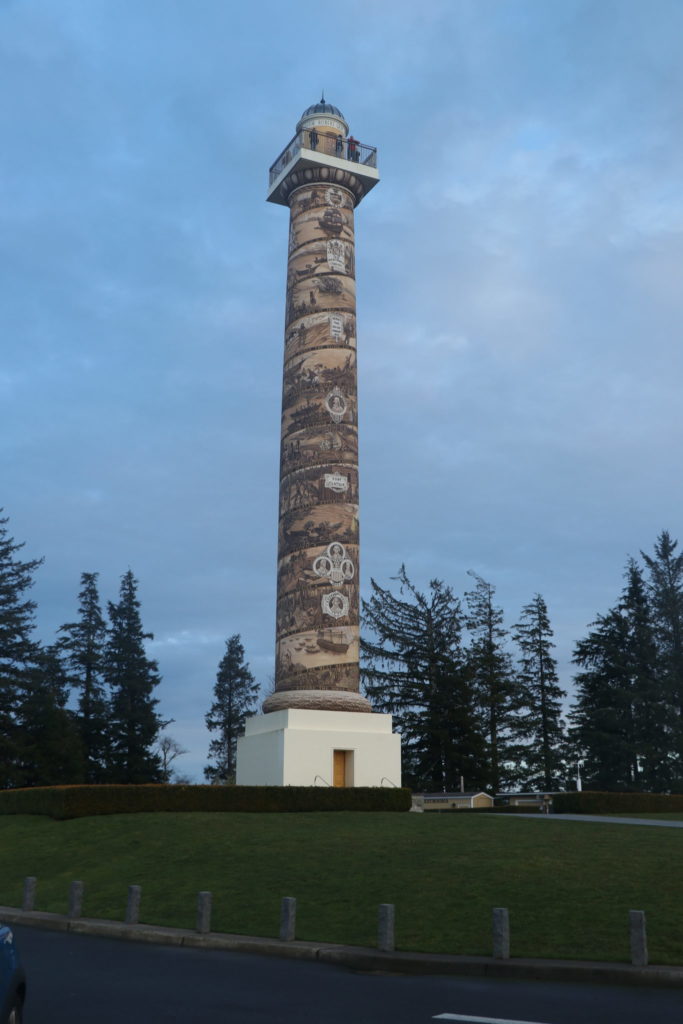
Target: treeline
[
  {"x": 467, "y": 707},
  {"x": 97, "y": 665},
  {"x": 628, "y": 714},
  {"x": 478, "y": 702},
  {"x": 83, "y": 710},
  {"x": 474, "y": 700}
]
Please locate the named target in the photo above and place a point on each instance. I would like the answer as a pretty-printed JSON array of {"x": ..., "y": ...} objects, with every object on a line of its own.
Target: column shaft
[{"x": 318, "y": 556}]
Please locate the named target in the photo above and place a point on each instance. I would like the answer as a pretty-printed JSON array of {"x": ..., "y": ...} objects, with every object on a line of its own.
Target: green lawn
[{"x": 568, "y": 885}]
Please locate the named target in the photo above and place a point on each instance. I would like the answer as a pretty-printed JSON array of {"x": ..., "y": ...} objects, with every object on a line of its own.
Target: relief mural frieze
[
  {"x": 332, "y": 651},
  {"x": 309, "y": 608},
  {"x": 318, "y": 568},
  {"x": 322, "y": 257},
  {"x": 333, "y": 484},
  {"x": 320, "y": 330},
  {"x": 329, "y": 403},
  {"x": 317, "y": 372},
  {"x": 318, "y": 526},
  {"x": 298, "y": 573},
  {"x": 318, "y": 293},
  {"x": 306, "y": 447}
]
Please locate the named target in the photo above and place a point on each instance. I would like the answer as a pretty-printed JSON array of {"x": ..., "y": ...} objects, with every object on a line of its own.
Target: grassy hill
[{"x": 568, "y": 886}]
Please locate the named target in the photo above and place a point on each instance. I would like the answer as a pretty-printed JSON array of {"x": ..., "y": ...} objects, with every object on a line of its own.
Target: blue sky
[{"x": 519, "y": 301}]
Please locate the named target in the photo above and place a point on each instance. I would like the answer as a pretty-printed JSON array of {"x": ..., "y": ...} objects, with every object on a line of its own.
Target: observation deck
[{"x": 313, "y": 148}]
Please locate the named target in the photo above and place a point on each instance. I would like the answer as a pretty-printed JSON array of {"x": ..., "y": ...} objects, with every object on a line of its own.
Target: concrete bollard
[
  {"x": 288, "y": 918},
  {"x": 638, "y": 935},
  {"x": 29, "y": 898},
  {"x": 501, "y": 933},
  {"x": 133, "y": 904},
  {"x": 385, "y": 927},
  {"x": 203, "y": 913},
  {"x": 75, "y": 899}
]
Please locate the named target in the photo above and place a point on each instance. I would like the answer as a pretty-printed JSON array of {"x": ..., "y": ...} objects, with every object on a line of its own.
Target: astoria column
[{"x": 321, "y": 175}]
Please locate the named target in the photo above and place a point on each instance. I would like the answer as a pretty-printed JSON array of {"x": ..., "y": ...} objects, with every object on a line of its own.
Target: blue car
[{"x": 12, "y": 980}]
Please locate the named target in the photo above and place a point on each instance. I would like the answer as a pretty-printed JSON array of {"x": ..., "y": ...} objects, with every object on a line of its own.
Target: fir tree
[
  {"x": 132, "y": 677},
  {"x": 490, "y": 667},
  {"x": 18, "y": 651},
  {"x": 540, "y": 722},
  {"x": 50, "y": 752},
  {"x": 654, "y": 761},
  {"x": 603, "y": 711},
  {"x": 414, "y": 669},
  {"x": 83, "y": 646},
  {"x": 665, "y": 588},
  {"x": 621, "y": 716},
  {"x": 235, "y": 693}
]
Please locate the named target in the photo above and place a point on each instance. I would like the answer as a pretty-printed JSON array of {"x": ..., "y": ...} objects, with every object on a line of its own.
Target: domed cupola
[{"x": 323, "y": 115}]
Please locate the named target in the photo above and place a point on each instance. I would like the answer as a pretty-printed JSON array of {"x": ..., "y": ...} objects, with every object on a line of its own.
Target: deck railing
[{"x": 329, "y": 144}]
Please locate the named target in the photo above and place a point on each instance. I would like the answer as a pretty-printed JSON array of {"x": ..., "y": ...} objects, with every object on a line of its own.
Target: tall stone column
[
  {"x": 318, "y": 551},
  {"x": 310, "y": 733}
]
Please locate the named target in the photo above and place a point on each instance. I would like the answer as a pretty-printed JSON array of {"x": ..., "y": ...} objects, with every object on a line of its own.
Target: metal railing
[{"x": 329, "y": 144}]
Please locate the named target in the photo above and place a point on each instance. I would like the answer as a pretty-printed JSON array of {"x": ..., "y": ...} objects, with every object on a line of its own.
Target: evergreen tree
[
  {"x": 602, "y": 714},
  {"x": 666, "y": 595},
  {"x": 83, "y": 646},
  {"x": 540, "y": 723},
  {"x": 621, "y": 716},
  {"x": 654, "y": 762},
  {"x": 415, "y": 669},
  {"x": 50, "y": 752},
  {"x": 490, "y": 667},
  {"x": 235, "y": 693},
  {"x": 132, "y": 676},
  {"x": 18, "y": 651}
]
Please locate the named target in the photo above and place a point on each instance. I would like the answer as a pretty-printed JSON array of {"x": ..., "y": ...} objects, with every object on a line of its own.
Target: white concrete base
[{"x": 296, "y": 747}]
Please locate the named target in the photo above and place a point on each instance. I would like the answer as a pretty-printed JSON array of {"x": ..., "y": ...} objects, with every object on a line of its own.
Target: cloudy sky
[{"x": 519, "y": 301}]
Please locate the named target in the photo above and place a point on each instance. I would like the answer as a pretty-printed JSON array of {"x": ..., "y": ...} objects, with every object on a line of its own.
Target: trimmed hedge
[
  {"x": 61, "y": 802},
  {"x": 616, "y": 803}
]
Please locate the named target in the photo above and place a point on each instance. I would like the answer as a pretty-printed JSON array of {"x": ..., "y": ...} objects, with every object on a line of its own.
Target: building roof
[
  {"x": 455, "y": 796},
  {"x": 322, "y": 108}
]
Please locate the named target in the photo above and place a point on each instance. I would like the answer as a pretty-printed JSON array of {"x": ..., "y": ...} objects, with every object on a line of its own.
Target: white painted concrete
[
  {"x": 303, "y": 158},
  {"x": 295, "y": 747}
]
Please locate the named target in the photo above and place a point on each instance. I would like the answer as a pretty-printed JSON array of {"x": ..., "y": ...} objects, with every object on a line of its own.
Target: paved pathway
[{"x": 595, "y": 817}]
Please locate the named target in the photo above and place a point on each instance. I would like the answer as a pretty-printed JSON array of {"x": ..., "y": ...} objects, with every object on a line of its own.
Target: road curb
[{"x": 358, "y": 958}]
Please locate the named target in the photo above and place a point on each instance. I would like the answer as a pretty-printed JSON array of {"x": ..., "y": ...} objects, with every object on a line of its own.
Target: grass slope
[{"x": 568, "y": 886}]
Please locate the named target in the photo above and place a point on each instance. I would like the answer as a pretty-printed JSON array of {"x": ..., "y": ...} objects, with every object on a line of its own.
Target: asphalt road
[{"x": 78, "y": 979}]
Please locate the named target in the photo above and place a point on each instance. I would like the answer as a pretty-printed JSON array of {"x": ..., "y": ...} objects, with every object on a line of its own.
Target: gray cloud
[{"x": 519, "y": 301}]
